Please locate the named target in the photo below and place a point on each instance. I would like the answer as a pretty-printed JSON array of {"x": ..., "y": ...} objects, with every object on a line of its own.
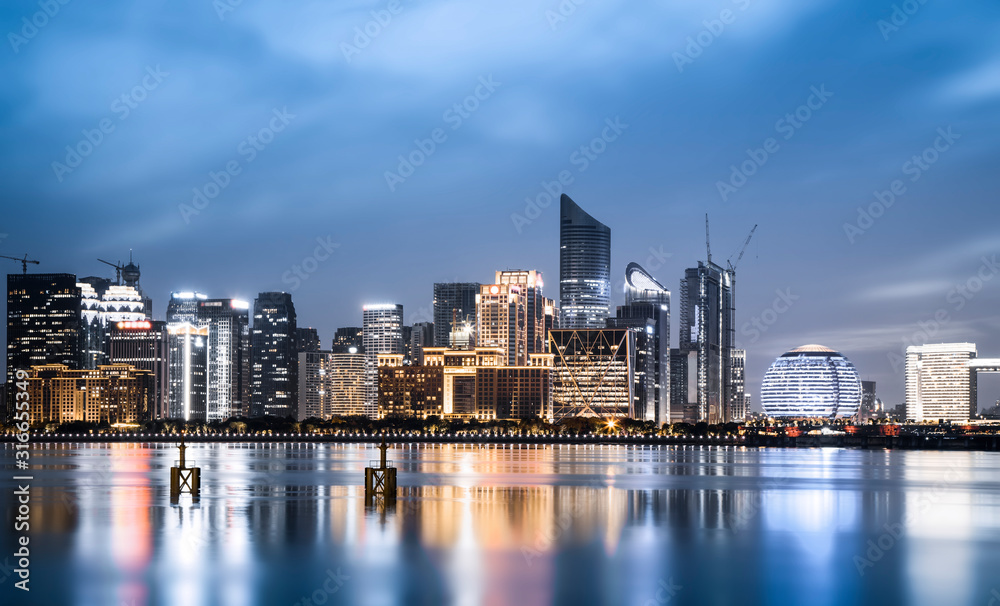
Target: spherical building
[{"x": 811, "y": 381}]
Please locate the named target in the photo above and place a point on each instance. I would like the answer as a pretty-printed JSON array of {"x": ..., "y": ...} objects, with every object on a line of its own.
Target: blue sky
[{"x": 301, "y": 117}]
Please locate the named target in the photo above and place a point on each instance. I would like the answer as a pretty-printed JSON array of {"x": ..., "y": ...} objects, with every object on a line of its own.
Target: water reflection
[{"x": 522, "y": 524}]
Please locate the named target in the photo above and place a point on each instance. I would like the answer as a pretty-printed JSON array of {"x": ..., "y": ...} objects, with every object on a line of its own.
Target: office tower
[
  {"x": 940, "y": 382},
  {"x": 43, "y": 323},
  {"x": 183, "y": 306},
  {"x": 144, "y": 345},
  {"x": 501, "y": 320},
  {"x": 466, "y": 384},
  {"x": 275, "y": 356},
  {"x": 739, "y": 406},
  {"x": 453, "y": 300},
  {"x": 421, "y": 336},
  {"x": 307, "y": 339},
  {"x": 111, "y": 393},
  {"x": 683, "y": 386},
  {"x": 346, "y": 338},
  {"x": 93, "y": 331},
  {"x": 584, "y": 267},
  {"x": 187, "y": 361},
  {"x": 229, "y": 372},
  {"x": 593, "y": 372},
  {"x": 647, "y": 307},
  {"x": 536, "y": 306},
  {"x": 407, "y": 337},
  {"x": 382, "y": 325},
  {"x": 811, "y": 381},
  {"x": 331, "y": 384},
  {"x": 707, "y": 329}
]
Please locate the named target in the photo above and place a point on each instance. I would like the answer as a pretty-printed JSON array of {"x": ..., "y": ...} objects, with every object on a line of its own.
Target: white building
[
  {"x": 331, "y": 384},
  {"x": 382, "y": 333},
  {"x": 940, "y": 383}
]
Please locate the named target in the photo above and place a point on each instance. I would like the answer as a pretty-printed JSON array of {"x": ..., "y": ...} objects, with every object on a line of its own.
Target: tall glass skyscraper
[
  {"x": 228, "y": 356},
  {"x": 453, "y": 300},
  {"x": 274, "y": 381},
  {"x": 707, "y": 329},
  {"x": 584, "y": 267},
  {"x": 383, "y": 334}
]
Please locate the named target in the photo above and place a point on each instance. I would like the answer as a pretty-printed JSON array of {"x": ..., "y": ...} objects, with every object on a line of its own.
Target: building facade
[
  {"x": 187, "y": 371},
  {"x": 593, "y": 372},
  {"x": 331, "y": 384},
  {"x": 347, "y": 337},
  {"x": 940, "y": 385},
  {"x": 706, "y": 328},
  {"x": 144, "y": 345},
  {"x": 382, "y": 325},
  {"x": 502, "y": 321},
  {"x": 307, "y": 339},
  {"x": 811, "y": 381},
  {"x": 274, "y": 354},
  {"x": 111, "y": 393},
  {"x": 229, "y": 376},
  {"x": 584, "y": 267},
  {"x": 453, "y": 301},
  {"x": 421, "y": 336}
]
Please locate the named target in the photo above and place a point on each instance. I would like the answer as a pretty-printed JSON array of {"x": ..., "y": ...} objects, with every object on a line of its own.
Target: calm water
[{"x": 279, "y": 524}]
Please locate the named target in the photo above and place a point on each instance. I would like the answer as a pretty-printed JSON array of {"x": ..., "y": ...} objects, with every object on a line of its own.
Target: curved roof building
[
  {"x": 584, "y": 267},
  {"x": 811, "y": 381},
  {"x": 640, "y": 286}
]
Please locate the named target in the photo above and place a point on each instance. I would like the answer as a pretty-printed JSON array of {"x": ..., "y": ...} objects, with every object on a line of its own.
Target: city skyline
[{"x": 863, "y": 284}]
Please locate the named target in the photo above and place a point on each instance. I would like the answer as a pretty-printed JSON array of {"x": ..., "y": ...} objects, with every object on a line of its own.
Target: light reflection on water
[{"x": 513, "y": 525}]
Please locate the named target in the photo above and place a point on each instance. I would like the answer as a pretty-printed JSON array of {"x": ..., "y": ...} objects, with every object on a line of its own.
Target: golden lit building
[
  {"x": 115, "y": 393},
  {"x": 594, "y": 372},
  {"x": 466, "y": 384}
]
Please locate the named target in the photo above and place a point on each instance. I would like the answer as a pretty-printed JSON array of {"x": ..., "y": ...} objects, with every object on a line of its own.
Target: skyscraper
[
  {"x": 331, "y": 384},
  {"x": 144, "y": 345},
  {"x": 228, "y": 356},
  {"x": 43, "y": 322},
  {"x": 275, "y": 356},
  {"x": 187, "y": 360},
  {"x": 383, "y": 334},
  {"x": 307, "y": 339},
  {"x": 421, "y": 336},
  {"x": 103, "y": 305},
  {"x": 584, "y": 267},
  {"x": 347, "y": 337},
  {"x": 453, "y": 300},
  {"x": 536, "y": 306},
  {"x": 647, "y": 306},
  {"x": 183, "y": 306},
  {"x": 501, "y": 320},
  {"x": 707, "y": 329},
  {"x": 593, "y": 372}
]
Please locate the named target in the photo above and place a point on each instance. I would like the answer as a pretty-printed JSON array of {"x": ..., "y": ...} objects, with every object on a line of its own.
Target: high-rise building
[
  {"x": 453, "y": 300},
  {"x": 103, "y": 304},
  {"x": 683, "y": 386},
  {"x": 940, "y": 384},
  {"x": 43, "y": 323},
  {"x": 502, "y": 320},
  {"x": 307, "y": 339},
  {"x": 183, "y": 306},
  {"x": 144, "y": 345},
  {"x": 130, "y": 277},
  {"x": 187, "y": 362},
  {"x": 538, "y": 310},
  {"x": 275, "y": 356},
  {"x": 593, "y": 372},
  {"x": 707, "y": 329},
  {"x": 331, "y": 384},
  {"x": 111, "y": 393},
  {"x": 228, "y": 322},
  {"x": 868, "y": 408},
  {"x": 739, "y": 401},
  {"x": 647, "y": 307},
  {"x": 383, "y": 334},
  {"x": 346, "y": 338},
  {"x": 584, "y": 267},
  {"x": 421, "y": 336}
]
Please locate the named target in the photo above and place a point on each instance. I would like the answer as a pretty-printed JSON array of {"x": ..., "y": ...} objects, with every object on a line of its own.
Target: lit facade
[
  {"x": 454, "y": 300},
  {"x": 739, "y": 401},
  {"x": 502, "y": 320},
  {"x": 144, "y": 345},
  {"x": 584, "y": 267},
  {"x": 940, "y": 385},
  {"x": 102, "y": 305},
  {"x": 811, "y": 381},
  {"x": 228, "y": 322},
  {"x": 331, "y": 384},
  {"x": 466, "y": 384},
  {"x": 593, "y": 372},
  {"x": 382, "y": 326},
  {"x": 274, "y": 370},
  {"x": 187, "y": 362},
  {"x": 43, "y": 323},
  {"x": 707, "y": 328},
  {"x": 347, "y": 337},
  {"x": 111, "y": 393}
]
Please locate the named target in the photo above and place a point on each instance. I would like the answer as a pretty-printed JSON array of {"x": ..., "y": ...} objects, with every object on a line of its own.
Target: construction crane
[
  {"x": 24, "y": 261},
  {"x": 118, "y": 269},
  {"x": 732, "y": 266}
]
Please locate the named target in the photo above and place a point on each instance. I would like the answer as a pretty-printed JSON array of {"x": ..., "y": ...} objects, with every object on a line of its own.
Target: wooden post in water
[
  {"x": 184, "y": 478},
  {"x": 380, "y": 482}
]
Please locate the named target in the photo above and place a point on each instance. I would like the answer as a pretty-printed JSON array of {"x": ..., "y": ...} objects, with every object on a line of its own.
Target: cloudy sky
[{"x": 382, "y": 146}]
